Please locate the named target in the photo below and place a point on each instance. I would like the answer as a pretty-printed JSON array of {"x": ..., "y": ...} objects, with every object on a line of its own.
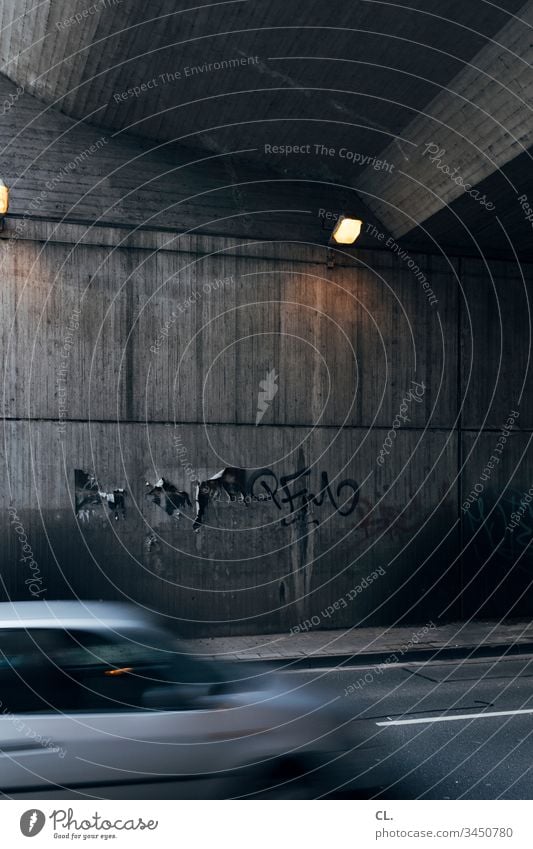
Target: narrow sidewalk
[{"x": 362, "y": 645}]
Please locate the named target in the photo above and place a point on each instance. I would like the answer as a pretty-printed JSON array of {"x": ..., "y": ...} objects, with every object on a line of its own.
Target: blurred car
[{"x": 98, "y": 700}]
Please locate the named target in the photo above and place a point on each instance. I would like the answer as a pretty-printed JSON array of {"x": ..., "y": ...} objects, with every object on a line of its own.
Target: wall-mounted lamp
[
  {"x": 346, "y": 230},
  {"x": 4, "y": 202}
]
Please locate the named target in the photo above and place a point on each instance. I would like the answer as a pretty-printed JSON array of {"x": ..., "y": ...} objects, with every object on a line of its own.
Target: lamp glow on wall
[
  {"x": 4, "y": 198},
  {"x": 346, "y": 230}
]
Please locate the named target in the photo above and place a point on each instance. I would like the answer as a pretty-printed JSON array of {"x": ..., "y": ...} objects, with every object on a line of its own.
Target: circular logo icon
[{"x": 32, "y": 822}]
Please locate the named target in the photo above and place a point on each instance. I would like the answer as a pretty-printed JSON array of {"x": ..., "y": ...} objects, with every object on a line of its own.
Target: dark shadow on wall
[{"x": 498, "y": 556}]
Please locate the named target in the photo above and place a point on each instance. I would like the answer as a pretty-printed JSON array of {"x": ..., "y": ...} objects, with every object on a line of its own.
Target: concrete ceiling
[{"x": 379, "y": 79}]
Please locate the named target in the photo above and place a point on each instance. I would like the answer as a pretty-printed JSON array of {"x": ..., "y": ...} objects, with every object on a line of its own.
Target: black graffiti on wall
[{"x": 292, "y": 493}]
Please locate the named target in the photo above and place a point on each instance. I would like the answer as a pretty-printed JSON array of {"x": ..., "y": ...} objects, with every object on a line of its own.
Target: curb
[{"x": 378, "y": 657}]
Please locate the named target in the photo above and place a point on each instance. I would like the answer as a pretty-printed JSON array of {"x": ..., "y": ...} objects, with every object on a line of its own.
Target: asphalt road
[{"x": 460, "y": 729}]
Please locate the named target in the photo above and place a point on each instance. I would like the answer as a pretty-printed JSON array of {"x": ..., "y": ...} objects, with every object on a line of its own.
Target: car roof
[{"x": 72, "y": 614}]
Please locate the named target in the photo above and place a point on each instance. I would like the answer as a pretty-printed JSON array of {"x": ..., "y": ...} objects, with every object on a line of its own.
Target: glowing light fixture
[
  {"x": 4, "y": 197},
  {"x": 346, "y": 230}
]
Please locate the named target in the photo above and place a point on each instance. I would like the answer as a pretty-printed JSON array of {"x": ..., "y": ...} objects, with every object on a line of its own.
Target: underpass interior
[{"x": 216, "y": 412}]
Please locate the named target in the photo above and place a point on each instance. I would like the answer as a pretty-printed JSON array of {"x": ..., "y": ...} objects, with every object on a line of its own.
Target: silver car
[{"x": 98, "y": 700}]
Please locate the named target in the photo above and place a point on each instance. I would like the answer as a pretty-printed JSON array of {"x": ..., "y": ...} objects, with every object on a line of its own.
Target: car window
[
  {"x": 27, "y": 675},
  {"x": 18, "y": 645},
  {"x": 79, "y": 670}
]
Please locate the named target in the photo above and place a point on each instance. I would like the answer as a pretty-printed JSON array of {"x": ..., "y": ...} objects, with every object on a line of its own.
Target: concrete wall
[
  {"x": 496, "y": 390},
  {"x": 83, "y": 390},
  {"x": 133, "y": 355}
]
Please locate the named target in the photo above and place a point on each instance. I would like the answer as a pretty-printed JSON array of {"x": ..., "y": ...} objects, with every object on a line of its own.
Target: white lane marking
[
  {"x": 23, "y": 752},
  {"x": 421, "y": 720}
]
